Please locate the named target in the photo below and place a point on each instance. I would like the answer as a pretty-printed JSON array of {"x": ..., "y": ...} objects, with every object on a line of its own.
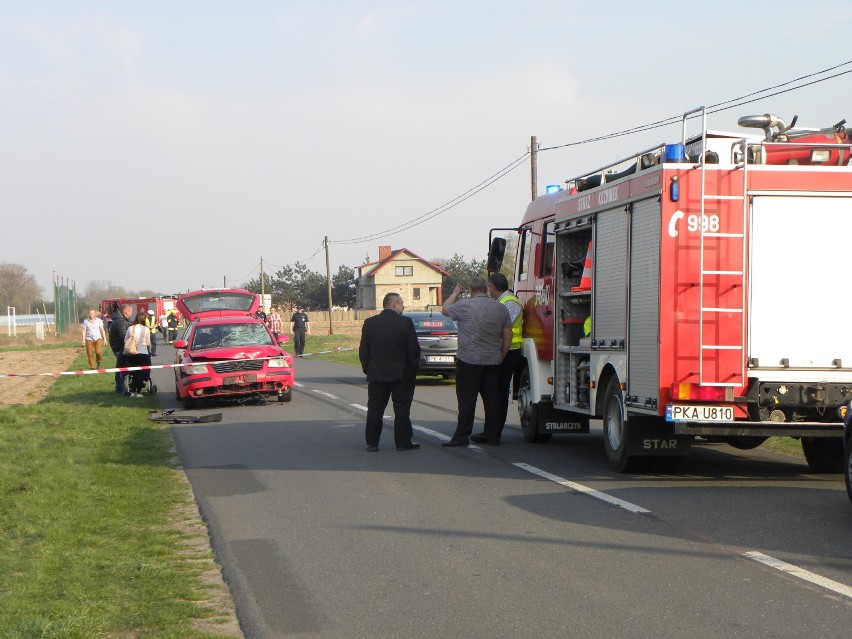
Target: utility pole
[
  {"x": 534, "y": 166},
  {"x": 262, "y": 290},
  {"x": 224, "y": 281},
  {"x": 328, "y": 277}
]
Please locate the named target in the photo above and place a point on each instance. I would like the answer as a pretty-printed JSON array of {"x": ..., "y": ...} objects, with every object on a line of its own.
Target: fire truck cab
[{"x": 694, "y": 289}]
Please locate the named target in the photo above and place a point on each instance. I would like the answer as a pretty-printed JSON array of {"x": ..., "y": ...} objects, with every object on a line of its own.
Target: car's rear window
[
  {"x": 436, "y": 324},
  {"x": 223, "y": 302}
]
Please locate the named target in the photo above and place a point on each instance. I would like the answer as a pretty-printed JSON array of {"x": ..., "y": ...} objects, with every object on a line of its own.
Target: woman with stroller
[{"x": 142, "y": 334}]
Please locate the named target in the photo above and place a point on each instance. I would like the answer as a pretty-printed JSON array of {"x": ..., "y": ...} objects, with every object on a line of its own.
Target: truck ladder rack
[{"x": 711, "y": 315}]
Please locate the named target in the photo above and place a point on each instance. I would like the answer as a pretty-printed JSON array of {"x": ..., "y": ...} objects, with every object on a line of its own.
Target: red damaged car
[{"x": 227, "y": 352}]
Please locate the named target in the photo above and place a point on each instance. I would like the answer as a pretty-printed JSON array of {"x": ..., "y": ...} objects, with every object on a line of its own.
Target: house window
[
  {"x": 415, "y": 293},
  {"x": 405, "y": 270}
]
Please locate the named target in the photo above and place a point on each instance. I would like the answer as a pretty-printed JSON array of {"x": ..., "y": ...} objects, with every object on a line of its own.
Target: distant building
[{"x": 419, "y": 281}]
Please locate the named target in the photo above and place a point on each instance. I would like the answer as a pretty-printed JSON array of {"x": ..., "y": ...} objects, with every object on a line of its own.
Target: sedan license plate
[
  {"x": 699, "y": 413},
  {"x": 440, "y": 359},
  {"x": 239, "y": 380}
]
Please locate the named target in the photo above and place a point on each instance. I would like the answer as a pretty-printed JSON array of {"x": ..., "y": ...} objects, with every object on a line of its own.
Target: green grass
[
  {"x": 90, "y": 543},
  {"x": 344, "y": 347},
  {"x": 784, "y": 445}
]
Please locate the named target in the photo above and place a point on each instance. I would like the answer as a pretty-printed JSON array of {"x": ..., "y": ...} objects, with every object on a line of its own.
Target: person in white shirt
[{"x": 94, "y": 338}]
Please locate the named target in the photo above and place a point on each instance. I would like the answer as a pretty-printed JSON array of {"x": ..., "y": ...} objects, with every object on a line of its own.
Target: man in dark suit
[{"x": 389, "y": 354}]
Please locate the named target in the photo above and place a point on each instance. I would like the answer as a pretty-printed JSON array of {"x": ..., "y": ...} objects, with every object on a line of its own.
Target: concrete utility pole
[
  {"x": 262, "y": 291},
  {"x": 534, "y": 166},
  {"x": 328, "y": 277}
]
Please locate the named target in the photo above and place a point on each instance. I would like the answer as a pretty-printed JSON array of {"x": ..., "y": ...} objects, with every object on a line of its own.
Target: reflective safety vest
[{"x": 517, "y": 324}]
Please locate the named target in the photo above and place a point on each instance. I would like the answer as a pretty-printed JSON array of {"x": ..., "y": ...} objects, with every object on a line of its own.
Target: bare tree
[{"x": 18, "y": 288}]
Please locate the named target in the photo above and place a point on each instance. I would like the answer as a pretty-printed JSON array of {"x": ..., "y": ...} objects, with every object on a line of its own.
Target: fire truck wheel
[
  {"x": 824, "y": 454},
  {"x": 616, "y": 432},
  {"x": 528, "y": 412}
]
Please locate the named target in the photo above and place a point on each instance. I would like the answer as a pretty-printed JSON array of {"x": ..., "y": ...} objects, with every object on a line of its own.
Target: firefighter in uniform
[
  {"x": 498, "y": 289},
  {"x": 172, "y": 322}
]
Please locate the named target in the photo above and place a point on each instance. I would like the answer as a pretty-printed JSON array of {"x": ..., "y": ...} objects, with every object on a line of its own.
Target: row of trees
[
  {"x": 291, "y": 285},
  {"x": 298, "y": 284},
  {"x": 18, "y": 288}
]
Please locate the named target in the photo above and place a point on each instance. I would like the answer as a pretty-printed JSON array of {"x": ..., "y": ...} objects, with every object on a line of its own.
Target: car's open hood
[{"x": 226, "y": 302}]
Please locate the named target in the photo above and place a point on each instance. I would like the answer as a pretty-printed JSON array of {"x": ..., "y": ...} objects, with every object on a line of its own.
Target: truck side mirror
[{"x": 495, "y": 254}]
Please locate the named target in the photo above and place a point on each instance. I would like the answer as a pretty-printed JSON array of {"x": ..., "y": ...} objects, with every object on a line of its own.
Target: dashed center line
[
  {"x": 801, "y": 573},
  {"x": 591, "y": 492},
  {"x": 324, "y": 394}
]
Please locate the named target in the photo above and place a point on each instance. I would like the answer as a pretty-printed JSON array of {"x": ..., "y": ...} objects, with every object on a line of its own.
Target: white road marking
[
  {"x": 591, "y": 492},
  {"x": 324, "y": 394},
  {"x": 801, "y": 573},
  {"x": 359, "y": 407},
  {"x": 299, "y": 384}
]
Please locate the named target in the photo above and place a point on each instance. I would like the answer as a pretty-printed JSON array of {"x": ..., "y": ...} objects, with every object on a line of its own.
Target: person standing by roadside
[
  {"x": 164, "y": 327},
  {"x": 498, "y": 289},
  {"x": 389, "y": 354},
  {"x": 117, "y": 331},
  {"x": 172, "y": 323},
  {"x": 485, "y": 333},
  {"x": 142, "y": 334},
  {"x": 94, "y": 338},
  {"x": 300, "y": 327},
  {"x": 273, "y": 322},
  {"x": 151, "y": 323}
]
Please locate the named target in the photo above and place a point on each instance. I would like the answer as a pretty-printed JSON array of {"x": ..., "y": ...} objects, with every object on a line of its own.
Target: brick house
[{"x": 401, "y": 271}]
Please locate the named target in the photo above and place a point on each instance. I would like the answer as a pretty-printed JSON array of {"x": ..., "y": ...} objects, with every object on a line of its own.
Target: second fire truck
[{"x": 694, "y": 289}]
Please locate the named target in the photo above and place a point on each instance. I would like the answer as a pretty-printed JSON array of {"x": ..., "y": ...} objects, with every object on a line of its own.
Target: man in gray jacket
[{"x": 485, "y": 333}]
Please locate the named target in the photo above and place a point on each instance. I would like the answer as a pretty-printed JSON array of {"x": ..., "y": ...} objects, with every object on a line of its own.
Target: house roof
[{"x": 376, "y": 266}]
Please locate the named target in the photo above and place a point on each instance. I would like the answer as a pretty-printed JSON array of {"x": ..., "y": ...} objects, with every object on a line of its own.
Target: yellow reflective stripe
[{"x": 517, "y": 324}]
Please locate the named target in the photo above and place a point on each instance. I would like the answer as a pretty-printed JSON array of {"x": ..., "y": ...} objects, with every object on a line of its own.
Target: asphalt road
[{"x": 319, "y": 538}]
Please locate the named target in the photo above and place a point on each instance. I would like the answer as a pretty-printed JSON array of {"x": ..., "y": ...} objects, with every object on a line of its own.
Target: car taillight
[{"x": 690, "y": 391}]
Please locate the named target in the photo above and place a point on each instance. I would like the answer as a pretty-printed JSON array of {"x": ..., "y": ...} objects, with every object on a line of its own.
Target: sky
[{"x": 171, "y": 146}]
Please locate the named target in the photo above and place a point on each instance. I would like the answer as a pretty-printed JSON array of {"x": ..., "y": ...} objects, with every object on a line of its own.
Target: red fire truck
[
  {"x": 699, "y": 292},
  {"x": 159, "y": 305}
]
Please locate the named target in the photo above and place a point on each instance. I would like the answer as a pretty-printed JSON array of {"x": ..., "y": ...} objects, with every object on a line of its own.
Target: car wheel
[
  {"x": 824, "y": 454},
  {"x": 286, "y": 395},
  {"x": 189, "y": 402}
]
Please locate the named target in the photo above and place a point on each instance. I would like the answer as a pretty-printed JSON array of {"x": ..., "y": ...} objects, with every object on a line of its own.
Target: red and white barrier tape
[{"x": 128, "y": 369}]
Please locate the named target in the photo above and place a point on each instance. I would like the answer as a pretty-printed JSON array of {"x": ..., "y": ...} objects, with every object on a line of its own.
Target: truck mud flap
[
  {"x": 554, "y": 420},
  {"x": 656, "y": 437}
]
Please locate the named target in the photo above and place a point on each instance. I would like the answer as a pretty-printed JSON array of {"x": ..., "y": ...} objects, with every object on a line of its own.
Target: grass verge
[{"x": 90, "y": 542}]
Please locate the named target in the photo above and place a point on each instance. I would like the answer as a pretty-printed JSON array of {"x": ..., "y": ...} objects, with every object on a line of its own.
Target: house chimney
[{"x": 384, "y": 252}]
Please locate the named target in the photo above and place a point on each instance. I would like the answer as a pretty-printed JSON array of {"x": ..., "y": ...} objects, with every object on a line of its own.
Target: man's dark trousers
[
  {"x": 378, "y": 394},
  {"x": 507, "y": 371},
  {"x": 473, "y": 380},
  {"x": 120, "y": 386},
  {"x": 299, "y": 340}
]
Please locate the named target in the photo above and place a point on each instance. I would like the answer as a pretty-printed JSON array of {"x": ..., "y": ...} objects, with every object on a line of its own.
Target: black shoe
[
  {"x": 372, "y": 449},
  {"x": 479, "y": 438},
  {"x": 411, "y": 446},
  {"x": 455, "y": 442}
]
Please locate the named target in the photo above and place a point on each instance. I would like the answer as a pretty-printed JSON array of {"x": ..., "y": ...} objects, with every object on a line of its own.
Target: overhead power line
[
  {"x": 714, "y": 108},
  {"x": 441, "y": 209}
]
